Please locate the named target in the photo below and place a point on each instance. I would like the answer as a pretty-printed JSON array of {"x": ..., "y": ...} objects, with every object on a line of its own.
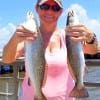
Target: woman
[{"x": 59, "y": 79}]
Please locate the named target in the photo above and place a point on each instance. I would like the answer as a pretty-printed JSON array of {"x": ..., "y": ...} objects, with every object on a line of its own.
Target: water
[{"x": 93, "y": 75}]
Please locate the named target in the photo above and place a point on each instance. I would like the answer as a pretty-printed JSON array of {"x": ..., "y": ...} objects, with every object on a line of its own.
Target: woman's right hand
[
  {"x": 15, "y": 47},
  {"x": 22, "y": 34}
]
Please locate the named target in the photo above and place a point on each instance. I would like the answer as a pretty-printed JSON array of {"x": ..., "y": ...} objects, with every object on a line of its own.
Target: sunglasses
[{"x": 54, "y": 8}]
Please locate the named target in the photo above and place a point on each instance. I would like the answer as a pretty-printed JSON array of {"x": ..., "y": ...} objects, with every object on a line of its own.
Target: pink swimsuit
[{"x": 59, "y": 82}]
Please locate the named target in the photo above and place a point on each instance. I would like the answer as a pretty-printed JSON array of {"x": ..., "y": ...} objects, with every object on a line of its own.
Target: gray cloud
[
  {"x": 6, "y": 33},
  {"x": 93, "y": 24}
]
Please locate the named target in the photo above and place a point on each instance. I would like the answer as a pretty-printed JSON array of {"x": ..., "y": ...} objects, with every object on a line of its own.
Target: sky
[{"x": 13, "y": 12}]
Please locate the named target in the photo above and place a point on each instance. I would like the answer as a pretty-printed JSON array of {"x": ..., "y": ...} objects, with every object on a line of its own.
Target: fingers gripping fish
[
  {"x": 76, "y": 59},
  {"x": 34, "y": 57}
]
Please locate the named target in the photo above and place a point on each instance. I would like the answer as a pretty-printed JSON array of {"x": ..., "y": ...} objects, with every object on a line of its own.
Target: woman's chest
[
  {"x": 57, "y": 58},
  {"x": 57, "y": 62}
]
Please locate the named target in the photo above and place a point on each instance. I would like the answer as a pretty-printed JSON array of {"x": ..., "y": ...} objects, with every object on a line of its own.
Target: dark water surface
[{"x": 93, "y": 75}]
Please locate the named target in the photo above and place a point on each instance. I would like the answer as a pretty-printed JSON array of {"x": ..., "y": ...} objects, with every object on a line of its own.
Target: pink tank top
[{"x": 59, "y": 82}]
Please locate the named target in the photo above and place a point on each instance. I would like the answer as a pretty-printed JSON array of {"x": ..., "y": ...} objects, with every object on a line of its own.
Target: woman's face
[{"x": 49, "y": 12}]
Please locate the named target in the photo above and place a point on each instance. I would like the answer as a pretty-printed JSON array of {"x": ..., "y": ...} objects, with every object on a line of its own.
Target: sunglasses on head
[{"x": 54, "y": 8}]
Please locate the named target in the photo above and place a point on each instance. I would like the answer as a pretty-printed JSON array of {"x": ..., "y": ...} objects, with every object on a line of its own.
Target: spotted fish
[
  {"x": 76, "y": 59},
  {"x": 34, "y": 57}
]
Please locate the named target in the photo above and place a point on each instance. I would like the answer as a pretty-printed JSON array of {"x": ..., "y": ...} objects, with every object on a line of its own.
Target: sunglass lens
[
  {"x": 56, "y": 8},
  {"x": 44, "y": 7}
]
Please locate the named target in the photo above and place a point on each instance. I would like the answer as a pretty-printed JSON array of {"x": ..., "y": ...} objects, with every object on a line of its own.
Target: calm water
[{"x": 93, "y": 75}]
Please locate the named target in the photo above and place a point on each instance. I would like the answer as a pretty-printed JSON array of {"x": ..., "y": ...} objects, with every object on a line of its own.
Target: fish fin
[
  {"x": 39, "y": 98},
  {"x": 45, "y": 75},
  {"x": 71, "y": 70},
  {"x": 85, "y": 70},
  {"x": 29, "y": 82},
  {"x": 79, "y": 93}
]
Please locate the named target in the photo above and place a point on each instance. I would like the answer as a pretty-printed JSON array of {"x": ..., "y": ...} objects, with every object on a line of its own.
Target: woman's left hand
[{"x": 79, "y": 33}]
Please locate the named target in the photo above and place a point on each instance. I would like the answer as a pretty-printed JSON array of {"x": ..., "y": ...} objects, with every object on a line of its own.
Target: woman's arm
[
  {"x": 15, "y": 47},
  {"x": 12, "y": 50},
  {"x": 80, "y": 33},
  {"x": 90, "y": 49},
  {"x": 91, "y": 46}
]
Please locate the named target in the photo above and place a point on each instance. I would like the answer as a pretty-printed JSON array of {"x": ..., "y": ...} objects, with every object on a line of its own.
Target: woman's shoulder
[{"x": 62, "y": 31}]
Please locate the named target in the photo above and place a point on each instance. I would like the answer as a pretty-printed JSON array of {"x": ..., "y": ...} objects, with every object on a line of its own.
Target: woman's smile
[{"x": 49, "y": 18}]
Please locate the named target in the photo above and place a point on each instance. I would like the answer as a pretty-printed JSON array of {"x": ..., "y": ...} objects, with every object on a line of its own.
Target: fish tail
[{"x": 79, "y": 93}]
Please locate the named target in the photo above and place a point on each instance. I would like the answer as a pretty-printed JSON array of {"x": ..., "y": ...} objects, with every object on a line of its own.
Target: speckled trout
[
  {"x": 76, "y": 59},
  {"x": 34, "y": 57}
]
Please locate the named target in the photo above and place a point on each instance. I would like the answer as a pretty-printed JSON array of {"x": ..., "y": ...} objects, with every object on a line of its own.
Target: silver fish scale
[
  {"x": 34, "y": 57},
  {"x": 76, "y": 59},
  {"x": 75, "y": 52}
]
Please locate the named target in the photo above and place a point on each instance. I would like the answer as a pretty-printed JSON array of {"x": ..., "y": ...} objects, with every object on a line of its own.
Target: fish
[
  {"x": 76, "y": 59},
  {"x": 34, "y": 57}
]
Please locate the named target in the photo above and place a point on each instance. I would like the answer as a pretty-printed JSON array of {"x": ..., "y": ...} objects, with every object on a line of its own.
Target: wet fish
[
  {"x": 34, "y": 57},
  {"x": 76, "y": 59}
]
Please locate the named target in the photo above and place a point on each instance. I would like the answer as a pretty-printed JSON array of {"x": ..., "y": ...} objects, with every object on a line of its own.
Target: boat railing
[
  {"x": 16, "y": 79},
  {"x": 12, "y": 79}
]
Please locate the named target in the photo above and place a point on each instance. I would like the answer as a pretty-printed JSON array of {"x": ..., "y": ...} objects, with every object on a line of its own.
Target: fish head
[
  {"x": 31, "y": 23},
  {"x": 72, "y": 18},
  {"x": 30, "y": 15}
]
